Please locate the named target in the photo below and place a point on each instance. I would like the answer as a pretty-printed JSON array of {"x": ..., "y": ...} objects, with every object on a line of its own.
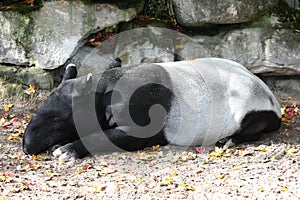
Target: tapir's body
[{"x": 184, "y": 103}]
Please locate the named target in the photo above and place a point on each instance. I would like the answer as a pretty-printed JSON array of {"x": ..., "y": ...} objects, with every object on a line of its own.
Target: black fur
[{"x": 255, "y": 124}]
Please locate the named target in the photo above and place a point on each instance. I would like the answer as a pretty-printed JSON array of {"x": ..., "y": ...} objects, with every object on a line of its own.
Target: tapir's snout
[
  {"x": 28, "y": 148},
  {"x": 31, "y": 145}
]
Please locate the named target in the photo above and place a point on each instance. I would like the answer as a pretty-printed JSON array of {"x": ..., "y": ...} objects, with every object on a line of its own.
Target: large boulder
[
  {"x": 197, "y": 12},
  {"x": 145, "y": 42},
  {"x": 262, "y": 50},
  {"x": 48, "y": 37}
]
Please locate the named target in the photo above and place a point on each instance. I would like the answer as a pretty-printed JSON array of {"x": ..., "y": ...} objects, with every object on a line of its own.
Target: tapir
[{"x": 187, "y": 103}]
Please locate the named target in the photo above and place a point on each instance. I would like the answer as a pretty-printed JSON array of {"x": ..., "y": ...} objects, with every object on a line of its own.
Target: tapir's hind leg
[{"x": 254, "y": 125}]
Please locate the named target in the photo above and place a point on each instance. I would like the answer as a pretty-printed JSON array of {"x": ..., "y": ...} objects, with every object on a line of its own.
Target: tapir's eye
[{"x": 56, "y": 119}]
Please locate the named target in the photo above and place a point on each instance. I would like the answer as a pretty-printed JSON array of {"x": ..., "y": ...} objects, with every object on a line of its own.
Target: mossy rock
[
  {"x": 20, "y": 5},
  {"x": 138, "y": 4}
]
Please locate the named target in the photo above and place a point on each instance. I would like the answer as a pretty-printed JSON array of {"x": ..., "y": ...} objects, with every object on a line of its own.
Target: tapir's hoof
[{"x": 65, "y": 152}]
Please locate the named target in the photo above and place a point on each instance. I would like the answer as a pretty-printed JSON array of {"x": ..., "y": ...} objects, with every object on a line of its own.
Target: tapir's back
[{"x": 212, "y": 97}]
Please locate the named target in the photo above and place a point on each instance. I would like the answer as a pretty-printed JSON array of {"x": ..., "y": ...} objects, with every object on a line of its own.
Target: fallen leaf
[
  {"x": 98, "y": 189},
  {"x": 261, "y": 189},
  {"x": 291, "y": 151},
  {"x": 13, "y": 138},
  {"x": 79, "y": 170},
  {"x": 237, "y": 168},
  {"x": 7, "y": 106},
  {"x": 173, "y": 174},
  {"x": 30, "y": 2},
  {"x": 52, "y": 174},
  {"x": 5, "y": 178},
  {"x": 155, "y": 148},
  {"x": 87, "y": 166},
  {"x": 272, "y": 158},
  {"x": 15, "y": 156},
  {"x": 182, "y": 185},
  {"x": 199, "y": 150},
  {"x": 221, "y": 176},
  {"x": 24, "y": 187},
  {"x": 30, "y": 90},
  {"x": 190, "y": 188},
  {"x": 284, "y": 188},
  {"x": 168, "y": 180},
  {"x": 190, "y": 58},
  {"x": 262, "y": 148},
  {"x": 37, "y": 157}
]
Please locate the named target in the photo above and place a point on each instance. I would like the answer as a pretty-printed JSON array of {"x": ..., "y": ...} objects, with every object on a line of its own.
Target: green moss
[
  {"x": 24, "y": 33},
  {"x": 157, "y": 9},
  {"x": 20, "y": 6},
  {"x": 120, "y": 4},
  {"x": 284, "y": 12},
  {"x": 10, "y": 88}
]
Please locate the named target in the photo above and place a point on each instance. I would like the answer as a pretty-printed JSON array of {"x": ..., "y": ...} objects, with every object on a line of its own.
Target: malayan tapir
[{"x": 187, "y": 103}]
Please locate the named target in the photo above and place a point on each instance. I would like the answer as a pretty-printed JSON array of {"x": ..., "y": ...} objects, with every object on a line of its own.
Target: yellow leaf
[
  {"x": 156, "y": 147},
  {"x": 138, "y": 179},
  {"x": 237, "y": 168},
  {"x": 15, "y": 156},
  {"x": 261, "y": 189},
  {"x": 190, "y": 188},
  {"x": 24, "y": 187},
  {"x": 30, "y": 90},
  {"x": 2, "y": 198},
  {"x": 5, "y": 178},
  {"x": 168, "y": 180},
  {"x": 182, "y": 185},
  {"x": 173, "y": 174},
  {"x": 273, "y": 158},
  {"x": 262, "y": 148},
  {"x": 13, "y": 138},
  {"x": 7, "y": 106},
  {"x": 291, "y": 151},
  {"x": 284, "y": 188},
  {"x": 221, "y": 176},
  {"x": 79, "y": 170},
  {"x": 37, "y": 157}
]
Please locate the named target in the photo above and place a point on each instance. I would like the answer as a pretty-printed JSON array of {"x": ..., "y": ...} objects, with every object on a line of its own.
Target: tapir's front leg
[{"x": 108, "y": 141}]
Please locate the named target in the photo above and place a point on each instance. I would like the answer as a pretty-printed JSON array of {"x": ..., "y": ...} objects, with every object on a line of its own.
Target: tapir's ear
[
  {"x": 71, "y": 72},
  {"x": 83, "y": 85}
]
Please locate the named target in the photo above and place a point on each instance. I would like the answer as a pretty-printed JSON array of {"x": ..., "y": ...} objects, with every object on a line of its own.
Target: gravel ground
[{"x": 266, "y": 169}]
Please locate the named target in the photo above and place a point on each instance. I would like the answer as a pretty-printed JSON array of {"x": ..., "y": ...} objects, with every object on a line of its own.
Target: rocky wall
[{"x": 262, "y": 35}]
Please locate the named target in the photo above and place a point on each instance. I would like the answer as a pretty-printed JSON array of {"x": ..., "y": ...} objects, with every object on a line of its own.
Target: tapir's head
[{"x": 53, "y": 122}]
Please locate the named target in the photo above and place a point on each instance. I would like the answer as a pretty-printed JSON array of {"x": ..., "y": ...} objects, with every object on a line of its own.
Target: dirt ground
[{"x": 266, "y": 169}]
